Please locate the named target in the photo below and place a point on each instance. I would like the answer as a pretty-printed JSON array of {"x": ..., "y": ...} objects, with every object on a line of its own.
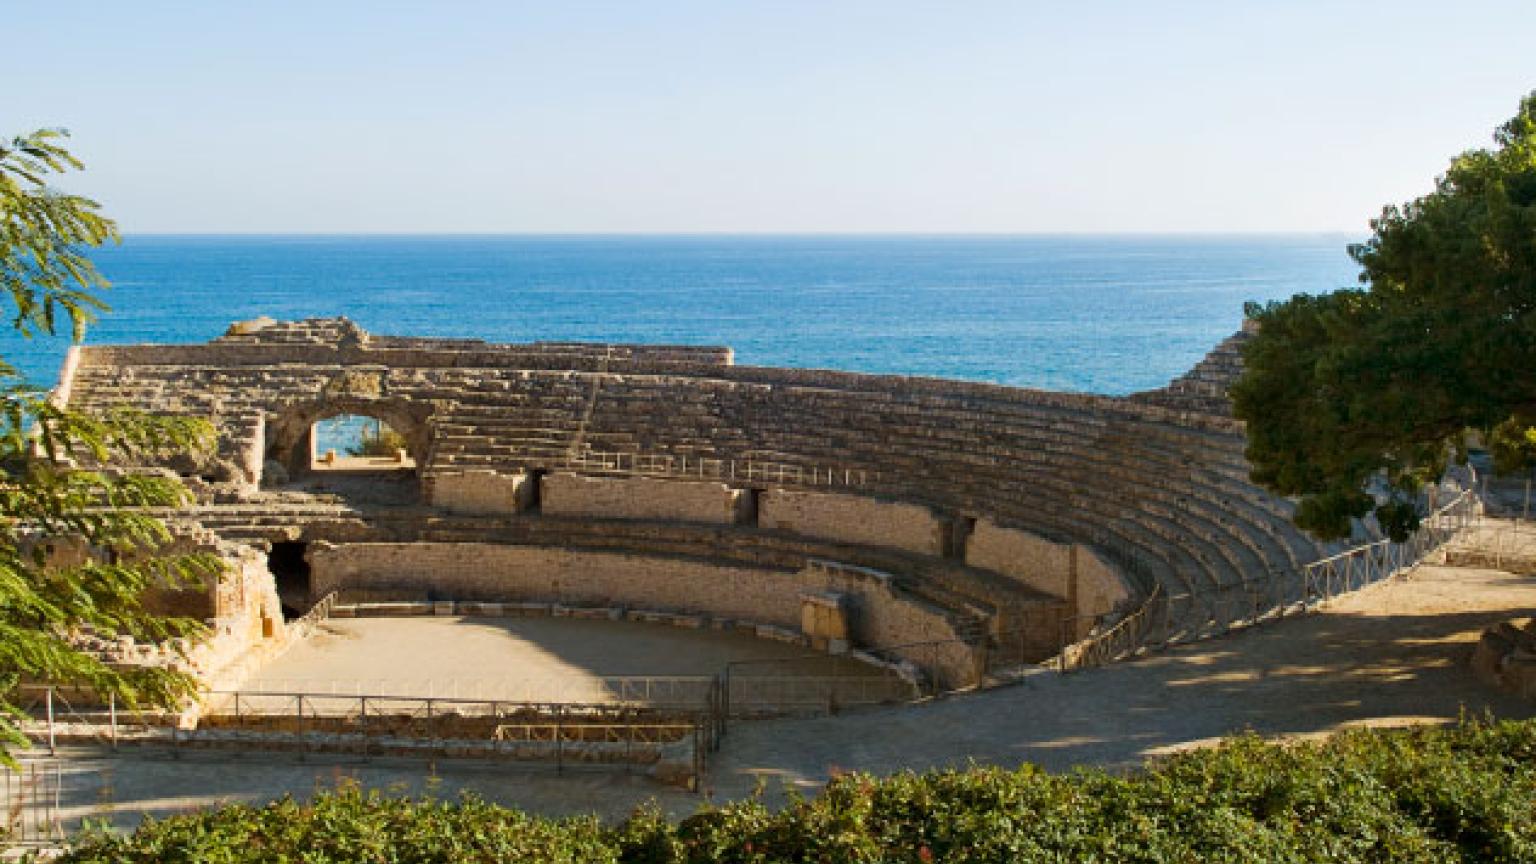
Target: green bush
[
  {"x": 1464, "y": 793},
  {"x": 384, "y": 442}
]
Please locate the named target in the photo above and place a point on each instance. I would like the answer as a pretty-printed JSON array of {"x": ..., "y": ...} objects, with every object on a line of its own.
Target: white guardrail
[{"x": 745, "y": 470}]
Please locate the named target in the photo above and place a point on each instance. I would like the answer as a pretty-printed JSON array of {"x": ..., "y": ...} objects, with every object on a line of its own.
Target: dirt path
[{"x": 1392, "y": 654}]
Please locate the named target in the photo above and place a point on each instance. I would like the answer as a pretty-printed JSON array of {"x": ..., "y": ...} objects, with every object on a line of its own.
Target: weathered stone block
[
  {"x": 853, "y": 519},
  {"x": 1032, "y": 561},
  {"x": 824, "y": 618},
  {"x": 563, "y": 494},
  {"x": 483, "y": 492},
  {"x": 1070, "y": 571}
]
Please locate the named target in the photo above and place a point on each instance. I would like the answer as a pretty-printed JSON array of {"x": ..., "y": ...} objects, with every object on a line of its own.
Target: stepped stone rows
[
  {"x": 1204, "y": 388},
  {"x": 986, "y": 503}
]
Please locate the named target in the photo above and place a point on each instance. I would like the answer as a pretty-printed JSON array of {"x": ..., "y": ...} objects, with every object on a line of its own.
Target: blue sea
[{"x": 1107, "y": 314}]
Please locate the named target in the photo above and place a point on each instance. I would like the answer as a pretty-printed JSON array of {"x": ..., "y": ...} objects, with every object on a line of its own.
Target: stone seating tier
[
  {"x": 1064, "y": 445},
  {"x": 1204, "y": 387},
  {"x": 1160, "y": 486}
]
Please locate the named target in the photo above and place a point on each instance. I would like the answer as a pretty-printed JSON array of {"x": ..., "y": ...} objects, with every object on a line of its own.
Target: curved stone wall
[{"x": 881, "y": 614}]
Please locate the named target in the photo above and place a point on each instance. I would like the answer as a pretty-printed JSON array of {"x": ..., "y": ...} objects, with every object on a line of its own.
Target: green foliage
[
  {"x": 1381, "y": 383},
  {"x": 351, "y": 825},
  {"x": 1513, "y": 443},
  {"x": 112, "y": 551},
  {"x": 382, "y": 442},
  {"x": 44, "y": 235},
  {"x": 1466, "y": 793}
]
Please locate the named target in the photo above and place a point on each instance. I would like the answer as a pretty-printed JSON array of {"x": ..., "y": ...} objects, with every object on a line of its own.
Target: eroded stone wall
[
  {"x": 491, "y": 572},
  {"x": 565, "y": 494},
  {"x": 479, "y": 492},
  {"x": 1071, "y": 571},
  {"x": 880, "y": 614},
  {"x": 853, "y": 519},
  {"x": 248, "y": 627},
  {"x": 240, "y": 607}
]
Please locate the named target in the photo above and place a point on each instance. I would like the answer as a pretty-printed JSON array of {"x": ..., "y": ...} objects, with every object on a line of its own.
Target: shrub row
[{"x": 1462, "y": 793}]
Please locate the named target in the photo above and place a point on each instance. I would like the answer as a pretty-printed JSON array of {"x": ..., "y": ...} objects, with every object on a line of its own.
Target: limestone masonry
[{"x": 849, "y": 510}]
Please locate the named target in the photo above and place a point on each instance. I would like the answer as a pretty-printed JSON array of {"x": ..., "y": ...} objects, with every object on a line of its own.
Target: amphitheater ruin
[{"x": 938, "y": 532}]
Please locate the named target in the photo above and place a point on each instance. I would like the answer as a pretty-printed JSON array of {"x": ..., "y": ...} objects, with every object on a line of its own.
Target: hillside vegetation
[{"x": 1466, "y": 793}]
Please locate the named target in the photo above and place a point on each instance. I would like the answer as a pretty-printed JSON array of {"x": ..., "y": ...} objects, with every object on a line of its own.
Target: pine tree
[{"x": 1356, "y": 399}]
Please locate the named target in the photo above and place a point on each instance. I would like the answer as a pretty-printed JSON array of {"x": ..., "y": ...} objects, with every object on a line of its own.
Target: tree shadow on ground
[{"x": 1306, "y": 676}]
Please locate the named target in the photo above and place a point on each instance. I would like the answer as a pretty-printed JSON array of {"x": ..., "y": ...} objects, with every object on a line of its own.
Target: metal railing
[
  {"x": 744, "y": 470},
  {"x": 1122, "y": 638},
  {"x": 682, "y": 692},
  {"x": 1373, "y": 562},
  {"x": 30, "y": 805},
  {"x": 369, "y": 725},
  {"x": 1500, "y": 544},
  {"x": 778, "y": 691},
  {"x": 751, "y": 695},
  {"x": 1166, "y": 618}
]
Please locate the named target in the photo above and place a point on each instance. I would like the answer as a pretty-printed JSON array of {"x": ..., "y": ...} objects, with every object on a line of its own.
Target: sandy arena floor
[
  {"x": 1395, "y": 653},
  {"x": 526, "y": 659}
]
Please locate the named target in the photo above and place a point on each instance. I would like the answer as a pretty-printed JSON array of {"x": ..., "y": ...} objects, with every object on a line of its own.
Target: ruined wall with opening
[{"x": 979, "y": 497}]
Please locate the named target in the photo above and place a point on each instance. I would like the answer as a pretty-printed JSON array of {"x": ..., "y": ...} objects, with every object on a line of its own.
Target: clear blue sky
[{"x": 772, "y": 116}]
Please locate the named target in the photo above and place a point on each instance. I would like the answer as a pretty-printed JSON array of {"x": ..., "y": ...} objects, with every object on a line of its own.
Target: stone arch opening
[
  {"x": 295, "y": 454},
  {"x": 358, "y": 442}
]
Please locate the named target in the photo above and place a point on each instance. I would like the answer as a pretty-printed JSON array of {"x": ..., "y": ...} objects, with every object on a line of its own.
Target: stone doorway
[{"x": 289, "y": 565}]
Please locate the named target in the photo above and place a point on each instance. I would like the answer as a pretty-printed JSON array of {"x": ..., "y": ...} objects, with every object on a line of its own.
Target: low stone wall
[
  {"x": 493, "y": 572},
  {"x": 1100, "y": 586},
  {"x": 853, "y": 519},
  {"x": 881, "y": 615},
  {"x": 1072, "y": 571},
  {"x": 564, "y": 494},
  {"x": 483, "y": 492},
  {"x": 1021, "y": 556}
]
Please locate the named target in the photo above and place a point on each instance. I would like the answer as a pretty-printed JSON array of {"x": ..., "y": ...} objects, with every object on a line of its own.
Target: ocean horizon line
[
  {"x": 735, "y": 235},
  {"x": 1100, "y": 313}
]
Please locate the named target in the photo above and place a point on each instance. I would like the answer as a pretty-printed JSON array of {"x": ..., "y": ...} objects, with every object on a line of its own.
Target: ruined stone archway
[{"x": 289, "y": 431}]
